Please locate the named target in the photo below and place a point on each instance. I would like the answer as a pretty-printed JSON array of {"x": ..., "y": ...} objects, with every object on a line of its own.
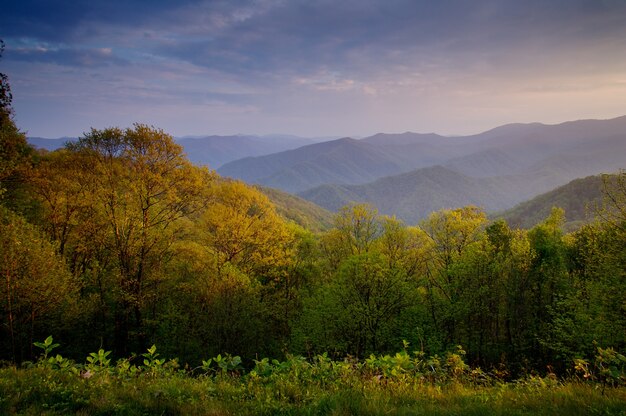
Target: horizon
[
  {"x": 312, "y": 69},
  {"x": 289, "y": 136}
]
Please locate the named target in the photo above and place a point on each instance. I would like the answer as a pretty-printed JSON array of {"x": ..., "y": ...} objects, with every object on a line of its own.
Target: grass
[
  {"x": 44, "y": 391},
  {"x": 400, "y": 384}
]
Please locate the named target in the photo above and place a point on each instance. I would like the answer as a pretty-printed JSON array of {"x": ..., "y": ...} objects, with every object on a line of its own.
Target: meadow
[{"x": 404, "y": 383}]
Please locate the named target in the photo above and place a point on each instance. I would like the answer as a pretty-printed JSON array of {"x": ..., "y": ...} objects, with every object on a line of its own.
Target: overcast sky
[{"x": 312, "y": 68}]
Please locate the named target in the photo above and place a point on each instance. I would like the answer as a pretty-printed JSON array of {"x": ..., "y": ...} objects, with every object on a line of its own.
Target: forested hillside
[
  {"x": 304, "y": 213},
  {"x": 582, "y": 200},
  {"x": 118, "y": 242},
  {"x": 339, "y": 161},
  {"x": 412, "y": 196}
]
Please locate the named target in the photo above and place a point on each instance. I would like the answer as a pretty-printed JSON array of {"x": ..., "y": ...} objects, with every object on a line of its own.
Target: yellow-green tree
[
  {"x": 36, "y": 286},
  {"x": 356, "y": 228},
  {"x": 140, "y": 185},
  {"x": 237, "y": 260},
  {"x": 240, "y": 228},
  {"x": 452, "y": 234},
  {"x": 404, "y": 248}
]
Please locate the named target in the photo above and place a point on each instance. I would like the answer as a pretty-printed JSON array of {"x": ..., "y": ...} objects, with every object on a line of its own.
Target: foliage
[
  {"x": 608, "y": 367},
  {"x": 37, "y": 290},
  {"x": 579, "y": 198},
  {"x": 402, "y": 383},
  {"x": 5, "y": 94},
  {"x": 148, "y": 249}
]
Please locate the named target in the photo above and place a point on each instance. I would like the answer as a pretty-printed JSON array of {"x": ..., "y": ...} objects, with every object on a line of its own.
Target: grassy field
[
  {"x": 401, "y": 384},
  {"x": 44, "y": 392}
]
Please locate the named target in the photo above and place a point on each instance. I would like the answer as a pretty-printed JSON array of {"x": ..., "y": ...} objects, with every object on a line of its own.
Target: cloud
[
  {"x": 281, "y": 58},
  {"x": 266, "y": 40},
  {"x": 91, "y": 58}
]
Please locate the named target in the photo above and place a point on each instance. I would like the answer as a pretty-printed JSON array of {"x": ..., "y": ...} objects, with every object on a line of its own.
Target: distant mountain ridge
[
  {"x": 506, "y": 150},
  {"x": 49, "y": 144},
  {"x": 581, "y": 199},
  {"x": 506, "y": 166},
  {"x": 412, "y": 196},
  {"x": 344, "y": 161},
  {"x": 214, "y": 151}
]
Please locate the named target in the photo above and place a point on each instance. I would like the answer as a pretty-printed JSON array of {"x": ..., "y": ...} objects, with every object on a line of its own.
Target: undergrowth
[{"x": 403, "y": 383}]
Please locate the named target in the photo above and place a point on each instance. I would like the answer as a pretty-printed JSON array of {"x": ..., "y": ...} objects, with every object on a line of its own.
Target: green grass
[
  {"x": 44, "y": 391},
  {"x": 400, "y": 384}
]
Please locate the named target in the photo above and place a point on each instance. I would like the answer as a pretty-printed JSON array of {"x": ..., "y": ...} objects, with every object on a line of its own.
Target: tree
[
  {"x": 240, "y": 228},
  {"x": 356, "y": 229},
  {"x": 452, "y": 233},
  {"x": 64, "y": 186},
  {"x": 614, "y": 199},
  {"x": 5, "y": 94},
  {"x": 141, "y": 186},
  {"x": 36, "y": 286},
  {"x": 359, "y": 312},
  {"x": 405, "y": 248},
  {"x": 15, "y": 153}
]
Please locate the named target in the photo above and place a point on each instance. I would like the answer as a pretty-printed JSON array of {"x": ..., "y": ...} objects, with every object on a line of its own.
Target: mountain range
[
  {"x": 411, "y": 174},
  {"x": 214, "y": 151}
]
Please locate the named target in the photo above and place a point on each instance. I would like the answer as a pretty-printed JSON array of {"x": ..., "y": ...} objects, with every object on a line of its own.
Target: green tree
[
  {"x": 452, "y": 233},
  {"x": 613, "y": 209},
  {"x": 355, "y": 230},
  {"x": 36, "y": 289},
  {"x": 548, "y": 280},
  {"x": 405, "y": 248},
  {"x": 5, "y": 94},
  {"x": 241, "y": 228},
  {"x": 141, "y": 186},
  {"x": 359, "y": 312}
]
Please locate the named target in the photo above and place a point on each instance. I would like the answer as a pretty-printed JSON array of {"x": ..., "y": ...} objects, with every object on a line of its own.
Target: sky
[{"x": 312, "y": 67}]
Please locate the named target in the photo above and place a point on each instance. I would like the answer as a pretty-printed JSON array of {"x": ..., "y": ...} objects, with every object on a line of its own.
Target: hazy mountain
[
  {"x": 343, "y": 161},
  {"x": 579, "y": 198},
  {"x": 523, "y": 148},
  {"x": 346, "y": 161},
  {"x": 214, "y": 151},
  {"x": 412, "y": 196},
  {"x": 49, "y": 144},
  {"x": 546, "y": 155}
]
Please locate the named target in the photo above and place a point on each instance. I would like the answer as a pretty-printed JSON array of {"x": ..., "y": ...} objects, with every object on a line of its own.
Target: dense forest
[{"x": 117, "y": 243}]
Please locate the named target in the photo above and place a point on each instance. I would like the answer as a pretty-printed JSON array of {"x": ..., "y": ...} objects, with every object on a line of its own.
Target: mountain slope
[
  {"x": 339, "y": 161},
  {"x": 302, "y": 212},
  {"x": 548, "y": 155},
  {"x": 215, "y": 151},
  {"x": 579, "y": 198},
  {"x": 522, "y": 148},
  {"x": 412, "y": 196}
]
